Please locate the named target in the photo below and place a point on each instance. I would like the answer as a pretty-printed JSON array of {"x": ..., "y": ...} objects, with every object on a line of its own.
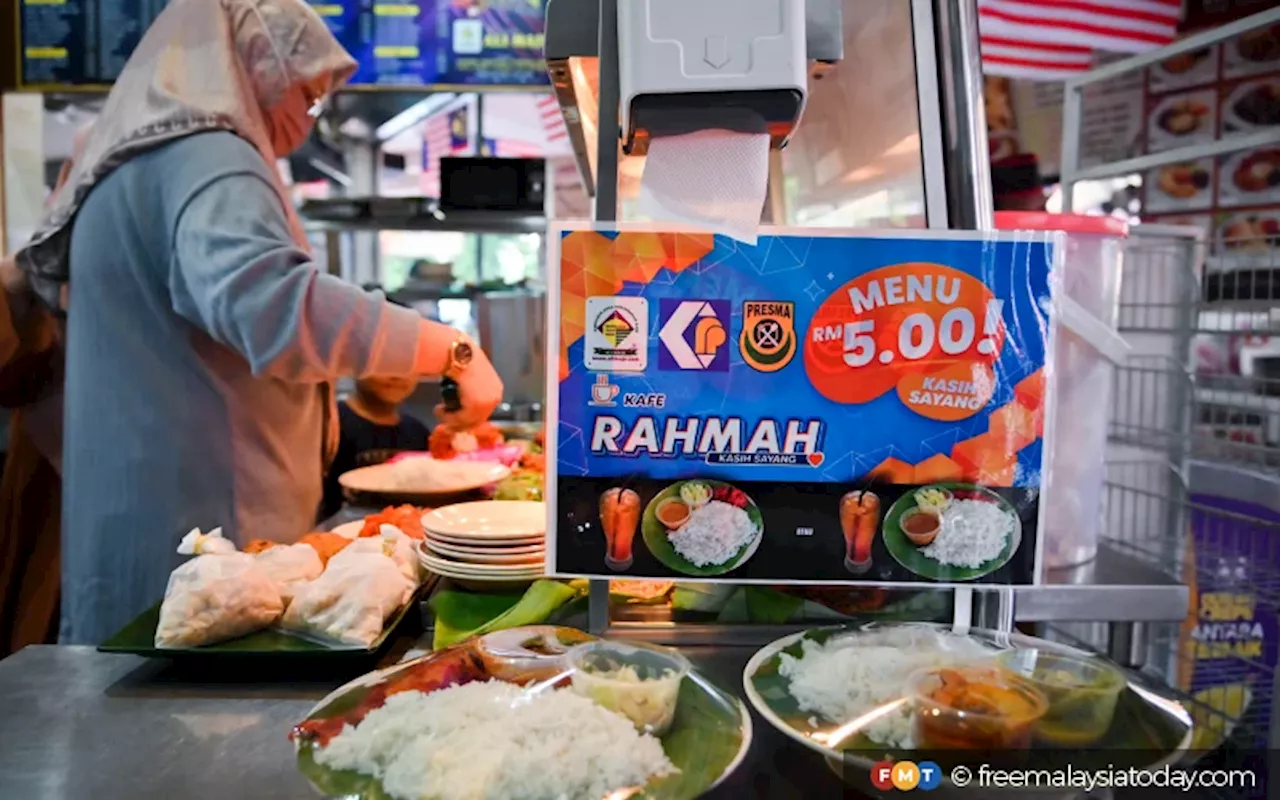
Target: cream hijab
[{"x": 253, "y": 67}]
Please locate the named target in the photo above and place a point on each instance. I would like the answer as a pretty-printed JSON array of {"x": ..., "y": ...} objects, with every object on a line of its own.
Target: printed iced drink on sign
[
  {"x": 812, "y": 408},
  {"x": 620, "y": 516},
  {"x": 859, "y": 519}
]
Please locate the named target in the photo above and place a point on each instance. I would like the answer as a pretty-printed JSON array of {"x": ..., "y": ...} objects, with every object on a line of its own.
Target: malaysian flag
[
  {"x": 516, "y": 126},
  {"x": 1054, "y": 39},
  {"x": 552, "y": 120},
  {"x": 572, "y": 201},
  {"x": 437, "y": 142},
  {"x": 514, "y": 148}
]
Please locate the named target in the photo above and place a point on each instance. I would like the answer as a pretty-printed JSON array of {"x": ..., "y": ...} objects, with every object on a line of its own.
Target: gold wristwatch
[{"x": 460, "y": 354}]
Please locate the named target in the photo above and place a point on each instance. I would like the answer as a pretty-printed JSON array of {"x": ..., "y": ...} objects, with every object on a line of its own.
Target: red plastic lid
[{"x": 1068, "y": 223}]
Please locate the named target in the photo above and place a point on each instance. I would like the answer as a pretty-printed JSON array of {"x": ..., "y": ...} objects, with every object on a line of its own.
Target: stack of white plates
[{"x": 491, "y": 542}]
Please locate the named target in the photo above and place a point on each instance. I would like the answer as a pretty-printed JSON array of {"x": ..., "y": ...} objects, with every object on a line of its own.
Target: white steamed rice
[
  {"x": 848, "y": 676},
  {"x": 491, "y": 741},
  {"x": 714, "y": 534},
  {"x": 973, "y": 532},
  {"x": 422, "y": 474}
]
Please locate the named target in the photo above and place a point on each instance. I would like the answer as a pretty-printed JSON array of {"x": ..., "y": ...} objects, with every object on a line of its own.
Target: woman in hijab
[{"x": 201, "y": 340}]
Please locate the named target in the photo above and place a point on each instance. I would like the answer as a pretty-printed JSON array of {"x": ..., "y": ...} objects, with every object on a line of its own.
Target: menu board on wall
[
  {"x": 415, "y": 43},
  {"x": 441, "y": 42},
  {"x": 80, "y": 42},
  {"x": 1203, "y": 95},
  {"x": 813, "y": 408},
  {"x": 1110, "y": 120},
  {"x": 491, "y": 42}
]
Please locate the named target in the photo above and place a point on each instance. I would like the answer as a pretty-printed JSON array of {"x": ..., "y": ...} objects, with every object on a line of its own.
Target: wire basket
[{"x": 1193, "y": 489}]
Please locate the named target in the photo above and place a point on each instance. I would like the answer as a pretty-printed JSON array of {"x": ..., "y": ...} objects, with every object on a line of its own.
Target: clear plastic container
[
  {"x": 1081, "y": 383},
  {"x": 1082, "y": 692},
  {"x": 641, "y": 682},
  {"x": 974, "y": 708}
]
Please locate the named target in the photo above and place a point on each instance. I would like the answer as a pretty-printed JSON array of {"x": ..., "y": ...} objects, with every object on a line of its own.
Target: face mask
[{"x": 290, "y": 123}]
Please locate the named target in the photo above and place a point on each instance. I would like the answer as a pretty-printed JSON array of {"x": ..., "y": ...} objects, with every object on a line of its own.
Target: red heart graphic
[{"x": 815, "y": 459}]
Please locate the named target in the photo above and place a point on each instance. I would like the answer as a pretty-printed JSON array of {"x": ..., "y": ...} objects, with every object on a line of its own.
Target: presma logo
[
  {"x": 768, "y": 340},
  {"x": 693, "y": 335}
]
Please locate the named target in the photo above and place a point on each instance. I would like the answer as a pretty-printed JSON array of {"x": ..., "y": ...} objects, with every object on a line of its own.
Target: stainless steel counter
[{"x": 82, "y": 725}]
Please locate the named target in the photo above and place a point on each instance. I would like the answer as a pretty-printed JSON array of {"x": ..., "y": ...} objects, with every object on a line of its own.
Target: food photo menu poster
[
  {"x": 1198, "y": 97},
  {"x": 812, "y": 408}
]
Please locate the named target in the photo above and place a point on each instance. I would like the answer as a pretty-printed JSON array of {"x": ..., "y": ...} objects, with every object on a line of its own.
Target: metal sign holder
[{"x": 1116, "y": 587}]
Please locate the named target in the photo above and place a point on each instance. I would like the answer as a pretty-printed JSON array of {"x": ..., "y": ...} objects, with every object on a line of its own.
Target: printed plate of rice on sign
[
  {"x": 847, "y": 693},
  {"x": 952, "y": 531},
  {"x": 496, "y": 717},
  {"x": 702, "y": 527}
]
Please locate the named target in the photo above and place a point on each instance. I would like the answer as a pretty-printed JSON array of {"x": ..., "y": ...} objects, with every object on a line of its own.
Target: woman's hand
[
  {"x": 479, "y": 393},
  {"x": 11, "y": 278},
  {"x": 18, "y": 303},
  {"x": 479, "y": 387}
]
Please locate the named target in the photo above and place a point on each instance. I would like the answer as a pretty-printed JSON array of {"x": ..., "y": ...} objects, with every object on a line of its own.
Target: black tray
[{"x": 138, "y": 638}]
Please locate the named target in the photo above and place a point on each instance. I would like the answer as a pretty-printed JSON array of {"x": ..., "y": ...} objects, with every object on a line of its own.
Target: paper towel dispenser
[
  {"x": 685, "y": 66},
  {"x": 691, "y": 64}
]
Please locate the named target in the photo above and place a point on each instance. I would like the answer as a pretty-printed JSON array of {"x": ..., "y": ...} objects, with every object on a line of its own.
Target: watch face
[{"x": 462, "y": 354}]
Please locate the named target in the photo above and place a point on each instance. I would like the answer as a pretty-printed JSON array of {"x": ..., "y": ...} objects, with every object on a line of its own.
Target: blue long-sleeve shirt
[{"x": 198, "y": 339}]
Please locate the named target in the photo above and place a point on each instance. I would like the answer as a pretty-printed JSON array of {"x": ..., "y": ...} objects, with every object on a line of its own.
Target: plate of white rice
[
  {"x": 720, "y": 534},
  {"x": 820, "y": 680},
  {"x": 981, "y": 531},
  {"x": 423, "y": 476},
  {"x": 404, "y": 733},
  {"x": 843, "y": 692}
]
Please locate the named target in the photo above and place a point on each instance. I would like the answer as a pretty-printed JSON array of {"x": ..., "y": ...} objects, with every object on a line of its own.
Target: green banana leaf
[
  {"x": 460, "y": 615},
  {"x": 765, "y": 606},
  {"x": 704, "y": 597},
  {"x": 761, "y": 605}
]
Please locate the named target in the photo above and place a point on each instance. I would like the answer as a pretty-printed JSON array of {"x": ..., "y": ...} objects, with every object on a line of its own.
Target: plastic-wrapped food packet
[
  {"x": 290, "y": 566},
  {"x": 214, "y": 597},
  {"x": 196, "y": 543},
  {"x": 391, "y": 542},
  {"x": 351, "y": 600}
]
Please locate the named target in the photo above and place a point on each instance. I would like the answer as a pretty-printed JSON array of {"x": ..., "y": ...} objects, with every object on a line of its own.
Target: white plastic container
[{"x": 1081, "y": 380}]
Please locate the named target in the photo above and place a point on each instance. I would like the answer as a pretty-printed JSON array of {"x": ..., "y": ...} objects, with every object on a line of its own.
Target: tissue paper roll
[{"x": 710, "y": 179}]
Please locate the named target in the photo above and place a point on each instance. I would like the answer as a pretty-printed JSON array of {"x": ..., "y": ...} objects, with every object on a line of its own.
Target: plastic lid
[{"x": 1068, "y": 223}]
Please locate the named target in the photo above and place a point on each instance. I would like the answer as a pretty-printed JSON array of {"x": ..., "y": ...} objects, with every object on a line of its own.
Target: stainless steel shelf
[
  {"x": 455, "y": 222},
  {"x": 414, "y": 214},
  {"x": 1114, "y": 587},
  {"x": 1244, "y": 402}
]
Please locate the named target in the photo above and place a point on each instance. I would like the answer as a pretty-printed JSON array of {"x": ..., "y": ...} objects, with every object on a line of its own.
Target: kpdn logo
[
  {"x": 768, "y": 340},
  {"x": 694, "y": 335},
  {"x": 616, "y": 339}
]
